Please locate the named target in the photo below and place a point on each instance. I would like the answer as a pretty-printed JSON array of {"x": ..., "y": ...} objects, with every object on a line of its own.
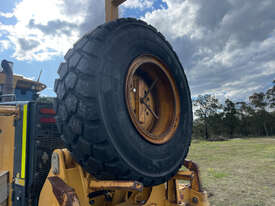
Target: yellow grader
[{"x": 119, "y": 130}]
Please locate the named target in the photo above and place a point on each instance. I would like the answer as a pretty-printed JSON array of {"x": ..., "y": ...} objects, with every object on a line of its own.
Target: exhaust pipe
[{"x": 8, "y": 92}]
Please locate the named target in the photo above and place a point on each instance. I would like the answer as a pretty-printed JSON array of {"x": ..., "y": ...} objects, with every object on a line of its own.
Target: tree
[
  {"x": 198, "y": 129},
  {"x": 245, "y": 115},
  {"x": 253, "y": 118},
  {"x": 205, "y": 107},
  {"x": 260, "y": 102},
  {"x": 230, "y": 117},
  {"x": 270, "y": 94}
]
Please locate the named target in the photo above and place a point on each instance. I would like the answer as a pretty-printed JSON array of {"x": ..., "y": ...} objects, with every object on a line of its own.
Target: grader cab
[{"x": 124, "y": 117}]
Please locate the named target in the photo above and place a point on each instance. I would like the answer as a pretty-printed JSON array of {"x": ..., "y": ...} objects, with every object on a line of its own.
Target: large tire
[{"x": 92, "y": 113}]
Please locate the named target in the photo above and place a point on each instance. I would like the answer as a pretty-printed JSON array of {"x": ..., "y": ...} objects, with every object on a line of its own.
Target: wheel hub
[{"x": 152, "y": 99}]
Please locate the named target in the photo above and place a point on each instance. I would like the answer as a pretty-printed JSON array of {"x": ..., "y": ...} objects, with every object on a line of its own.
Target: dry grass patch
[{"x": 238, "y": 171}]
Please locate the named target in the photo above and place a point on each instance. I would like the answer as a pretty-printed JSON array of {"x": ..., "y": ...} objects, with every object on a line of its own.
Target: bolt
[
  {"x": 142, "y": 202},
  {"x": 195, "y": 200},
  {"x": 54, "y": 171}
]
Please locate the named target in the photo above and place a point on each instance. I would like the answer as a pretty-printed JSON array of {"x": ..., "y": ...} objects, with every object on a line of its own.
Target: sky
[{"x": 227, "y": 47}]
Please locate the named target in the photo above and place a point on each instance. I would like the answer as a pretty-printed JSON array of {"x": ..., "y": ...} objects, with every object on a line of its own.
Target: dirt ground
[{"x": 238, "y": 171}]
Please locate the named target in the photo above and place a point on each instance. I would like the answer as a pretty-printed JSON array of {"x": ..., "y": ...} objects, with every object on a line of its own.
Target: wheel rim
[{"x": 152, "y": 99}]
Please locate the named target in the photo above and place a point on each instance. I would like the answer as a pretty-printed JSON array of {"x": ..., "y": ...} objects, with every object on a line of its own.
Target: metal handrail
[{"x": 9, "y": 95}]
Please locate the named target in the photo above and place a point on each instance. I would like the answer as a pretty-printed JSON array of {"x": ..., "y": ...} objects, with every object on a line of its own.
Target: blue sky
[{"x": 226, "y": 47}]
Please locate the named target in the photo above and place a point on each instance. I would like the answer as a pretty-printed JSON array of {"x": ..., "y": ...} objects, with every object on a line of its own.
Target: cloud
[
  {"x": 138, "y": 4},
  {"x": 4, "y": 45},
  {"x": 27, "y": 45},
  {"x": 211, "y": 13},
  {"x": 7, "y": 15},
  {"x": 45, "y": 29},
  {"x": 94, "y": 15},
  {"x": 54, "y": 27},
  {"x": 226, "y": 47}
]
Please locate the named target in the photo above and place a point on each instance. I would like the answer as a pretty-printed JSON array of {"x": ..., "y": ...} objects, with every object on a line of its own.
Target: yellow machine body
[
  {"x": 21, "y": 82},
  {"x": 68, "y": 184},
  {"x": 7, "y": 133},
  {"x": 6, "y": 143},
  {"x": 8, "y": 116}
]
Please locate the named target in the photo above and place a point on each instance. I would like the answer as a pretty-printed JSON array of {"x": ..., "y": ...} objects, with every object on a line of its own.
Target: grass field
[{"x": 238, "y": 171}]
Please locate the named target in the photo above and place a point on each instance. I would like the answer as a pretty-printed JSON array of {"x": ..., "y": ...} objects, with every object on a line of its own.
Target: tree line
[{"x": 234, "y": 119}]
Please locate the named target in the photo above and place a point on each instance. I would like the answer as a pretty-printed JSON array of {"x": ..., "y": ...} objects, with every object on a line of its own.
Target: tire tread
[{"x": 97, "y": 155}]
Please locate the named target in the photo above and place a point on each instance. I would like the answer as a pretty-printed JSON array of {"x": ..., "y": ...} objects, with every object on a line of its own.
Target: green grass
[
  {"x": 237, "y": 172},
  {"x": 215, "y": 173}
]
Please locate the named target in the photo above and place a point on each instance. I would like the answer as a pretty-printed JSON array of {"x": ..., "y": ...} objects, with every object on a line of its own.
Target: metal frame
[
  {"x": 111, "y": 9},
  {"x": 68, "y": 184},
  {"x": 21, "y": 135},
  {"x": 9, "y": 110},
  {"x": 4, "y": 187}
]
